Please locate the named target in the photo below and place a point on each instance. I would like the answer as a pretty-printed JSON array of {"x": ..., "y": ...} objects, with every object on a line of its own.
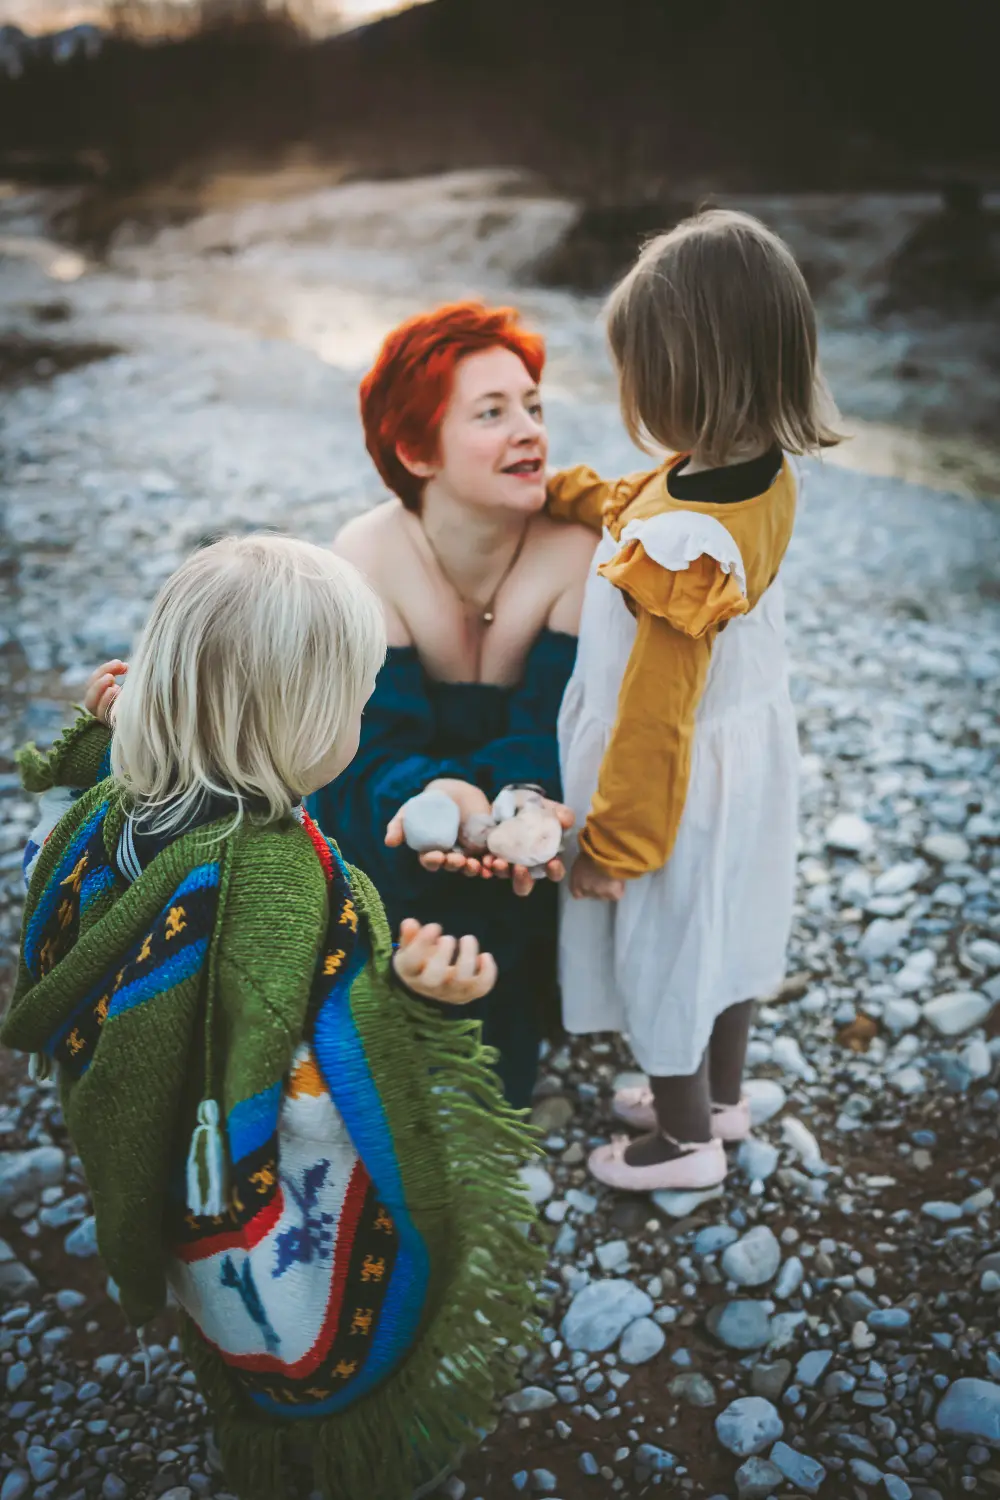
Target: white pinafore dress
[{"x": 709, "y": 929}]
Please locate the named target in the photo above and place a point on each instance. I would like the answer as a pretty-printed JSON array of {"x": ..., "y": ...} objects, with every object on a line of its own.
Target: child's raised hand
[
  {"x": 440, "y": 967},
  {"x": 588, "y": 881},
  {"x": 102, "y": 689}
]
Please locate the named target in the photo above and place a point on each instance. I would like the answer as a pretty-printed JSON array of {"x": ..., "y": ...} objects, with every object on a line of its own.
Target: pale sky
[{"x": 52, "y": 15}]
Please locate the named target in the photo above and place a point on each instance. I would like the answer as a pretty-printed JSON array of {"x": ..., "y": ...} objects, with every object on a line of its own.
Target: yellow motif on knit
[
  {"x": 383, "y": 1221},
  {"x": 372, "y": 1270},
  {"x": 146, "y": 949},
  {"x": 176, "y": 921},
  {"x": 75, "y": 877},
  {"x": 349, "y": 916},
  {"x": 333, "y": 961},
  {"x": 362, "y": 1321}
]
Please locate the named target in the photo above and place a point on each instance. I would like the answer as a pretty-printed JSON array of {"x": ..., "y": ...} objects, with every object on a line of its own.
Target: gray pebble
[
  {"x": 757, "y": 1479},
  {"x": 740, "y": 1325},
  {"x": 971, "y": 1408},
  {"x": 805, "y": 1473},
  {"x": 813, "y": 1366},
  {"x": 754, "y": 1259},
  {"x": 749, "y": 1425},
  {"x": 82, "y": 1241},
  {"x": 532, "y": 1398},
  {"x": 641, "y": 1342},
  {"x": 599, "y": 1314}
]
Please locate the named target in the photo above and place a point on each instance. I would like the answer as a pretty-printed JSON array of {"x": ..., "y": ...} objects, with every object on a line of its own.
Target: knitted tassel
[
  {"x": 39, "y": 1067},
  {"x": 206, "y": 1164}
]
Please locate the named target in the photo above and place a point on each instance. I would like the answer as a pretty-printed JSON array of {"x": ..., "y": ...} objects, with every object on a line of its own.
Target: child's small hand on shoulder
[
  {"x": 442, "y": 968},
  {"x": 102, "y": 689},
  {"x": 588, "y": 881}
]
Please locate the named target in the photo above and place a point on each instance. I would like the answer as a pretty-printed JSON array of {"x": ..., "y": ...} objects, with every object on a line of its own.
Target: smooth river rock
[{"x": 600, "y": 1313}]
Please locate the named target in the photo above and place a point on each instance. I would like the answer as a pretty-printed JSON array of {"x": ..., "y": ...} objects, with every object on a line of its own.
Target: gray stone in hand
[{"x": 430, "y": 822}]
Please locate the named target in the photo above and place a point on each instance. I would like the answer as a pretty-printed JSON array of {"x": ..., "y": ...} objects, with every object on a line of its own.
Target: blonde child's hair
[
  {"x": 714, "y": 334},
  {"x": 256, "y": 659}
]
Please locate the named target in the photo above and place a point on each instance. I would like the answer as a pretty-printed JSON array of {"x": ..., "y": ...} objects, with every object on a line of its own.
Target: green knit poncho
[{"x": 321, "y": 1168}]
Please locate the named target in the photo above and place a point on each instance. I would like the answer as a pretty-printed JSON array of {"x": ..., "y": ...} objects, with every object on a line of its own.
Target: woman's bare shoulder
[
  {"x": 371, "y": 543},
  {"x": 569, "y": 547},
  {"x": 364, "y": 539}
]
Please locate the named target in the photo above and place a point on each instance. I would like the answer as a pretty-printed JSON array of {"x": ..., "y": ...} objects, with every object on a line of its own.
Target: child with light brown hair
[{"x": 677, "y": 733}]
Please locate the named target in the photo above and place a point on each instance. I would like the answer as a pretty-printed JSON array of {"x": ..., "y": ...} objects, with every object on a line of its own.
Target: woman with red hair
[{"x": 482, "y": 594}]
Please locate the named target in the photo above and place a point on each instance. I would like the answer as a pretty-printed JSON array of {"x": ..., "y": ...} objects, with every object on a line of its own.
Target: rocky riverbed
[{"x": 830, "y": 1324}]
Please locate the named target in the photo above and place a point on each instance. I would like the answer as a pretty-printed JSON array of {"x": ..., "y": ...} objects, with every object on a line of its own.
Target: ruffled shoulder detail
[
  {"x": 682, "y": 566},
  {"x": 623, "y": 491}
]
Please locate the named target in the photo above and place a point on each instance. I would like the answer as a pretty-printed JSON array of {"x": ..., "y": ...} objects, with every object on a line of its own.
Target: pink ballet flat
[
  {"x": 701, "y": 1166},
  {"x": 730, "y": 1122}
]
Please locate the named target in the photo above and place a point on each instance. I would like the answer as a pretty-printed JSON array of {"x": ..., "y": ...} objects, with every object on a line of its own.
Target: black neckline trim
[{"x": 726, "y": 486}]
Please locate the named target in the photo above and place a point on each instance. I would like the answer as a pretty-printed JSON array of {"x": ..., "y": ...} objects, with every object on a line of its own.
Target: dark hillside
[{"x": 611, "y": 100}]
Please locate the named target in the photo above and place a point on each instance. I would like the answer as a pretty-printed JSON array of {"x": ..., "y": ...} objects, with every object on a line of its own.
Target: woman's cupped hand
[{"x": 472, "y": 801}]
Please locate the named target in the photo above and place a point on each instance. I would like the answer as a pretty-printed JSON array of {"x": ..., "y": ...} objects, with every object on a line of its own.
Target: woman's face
[{"x": 492, "y": 446}]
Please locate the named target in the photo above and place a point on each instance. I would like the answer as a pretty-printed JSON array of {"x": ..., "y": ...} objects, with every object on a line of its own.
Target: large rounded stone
[
  {"x": 641, "y": 1342},
  {"x": 740, "y": 1325},
  {"x": 748, "y": 1426},
  {"x": 754, "y": 1259},
  {"x": 430, "y": 821},
  {"x": 957, "y": 1012},
  {"x": 971, "y": 1409},
  {"x": 766, "y": 1098},
  {"x": 600, "y": 1313}
]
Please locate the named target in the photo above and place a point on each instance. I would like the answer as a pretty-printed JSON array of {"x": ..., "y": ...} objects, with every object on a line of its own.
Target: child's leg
[
  {"x": 684, "y": 1113},
  {"x": 727, "y": 1053}
]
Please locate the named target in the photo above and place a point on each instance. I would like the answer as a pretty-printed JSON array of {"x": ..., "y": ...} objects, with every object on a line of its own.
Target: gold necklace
[{"x": 485, "y": 612}]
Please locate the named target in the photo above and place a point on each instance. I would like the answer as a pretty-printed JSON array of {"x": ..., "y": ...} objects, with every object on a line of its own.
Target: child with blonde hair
[
  {"x": 677, "y": 733},
  {"x": 272, "y": 1123}
]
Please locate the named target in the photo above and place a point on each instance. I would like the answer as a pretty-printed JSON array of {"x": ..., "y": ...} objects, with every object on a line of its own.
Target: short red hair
[{"x": 406, "y": 392}]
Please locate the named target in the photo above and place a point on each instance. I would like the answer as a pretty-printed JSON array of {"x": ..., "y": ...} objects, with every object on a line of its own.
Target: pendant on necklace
[{"x": 487, "y": 617}]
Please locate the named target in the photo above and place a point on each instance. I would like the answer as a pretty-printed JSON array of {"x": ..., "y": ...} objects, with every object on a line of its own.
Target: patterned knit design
[{"x": 253, "y": 968}]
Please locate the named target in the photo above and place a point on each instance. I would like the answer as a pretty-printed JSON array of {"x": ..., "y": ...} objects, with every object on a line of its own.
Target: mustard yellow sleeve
[
  {"x": 642, "y": 787},
  {"x": 578, "y": 494},
  {"x": 636, "y": 811},
  {"x": 693, "y": 599},
  {"x": 581, "y": 495}
]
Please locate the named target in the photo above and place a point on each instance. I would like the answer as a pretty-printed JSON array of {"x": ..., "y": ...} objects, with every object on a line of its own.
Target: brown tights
[{"x": 684, "y": 1105}]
